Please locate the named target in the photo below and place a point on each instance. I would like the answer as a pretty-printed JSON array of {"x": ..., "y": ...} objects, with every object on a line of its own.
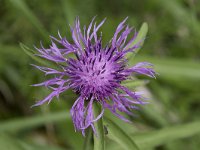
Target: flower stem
[
  {"x": 99, "y": 140},
  {"x": 87, "y": 144}
]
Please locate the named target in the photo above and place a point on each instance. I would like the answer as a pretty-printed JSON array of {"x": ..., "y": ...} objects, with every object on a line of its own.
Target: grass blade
[
  {"x": 173, "y": 68},
  {"x": 68, "y": 10},
  {"x": 165, "y": 135},
  {"x": 30, "y": 122},
  {"x": 21, "y": 5},
  {"x": 156, "y": 138},
  {"x": 15, "y": 143}
]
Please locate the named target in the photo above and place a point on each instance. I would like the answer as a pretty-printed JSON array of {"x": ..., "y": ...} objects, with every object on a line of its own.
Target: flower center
[
  {"x": 97, "y": 74},
  {"x": 94, "y": 74}
]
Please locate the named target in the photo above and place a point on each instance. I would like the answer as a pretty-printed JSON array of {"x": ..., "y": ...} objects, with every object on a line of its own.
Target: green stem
[
  {"x": 99, "y": 140},
  {"x": 87, "y": 144}
]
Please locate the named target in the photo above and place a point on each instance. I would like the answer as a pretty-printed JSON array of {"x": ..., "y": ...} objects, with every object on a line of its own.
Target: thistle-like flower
[{"x": 95, "y": 72}]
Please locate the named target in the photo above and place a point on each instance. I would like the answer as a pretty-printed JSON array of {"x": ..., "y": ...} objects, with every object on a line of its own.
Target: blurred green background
[{"x": 169, "y": 122}]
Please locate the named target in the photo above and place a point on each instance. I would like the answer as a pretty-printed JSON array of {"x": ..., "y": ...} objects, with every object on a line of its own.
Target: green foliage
[
  {"x": 169, "y": 122},
  {"x": 156, "y": 138},
  {"x": 99, "y": 138},
  {"x": 117, "y": 134},
  {"x": 165, "y": 135},
  {"x": 11, "y": 143},
  {"x": 139, "y": 40},
  {"x": 143, "y": 140},
  {"x": 38, "y": 59},
  {"x": 27, "y": 123},
  {"x": 173, "y": 68},
  {"x": 21, "y": 6}
]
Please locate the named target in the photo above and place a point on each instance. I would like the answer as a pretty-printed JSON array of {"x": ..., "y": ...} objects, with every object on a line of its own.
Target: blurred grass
[
  {"x": 144, "y": 140},
  {"x": 172, "y": 44},
  {"x": 23, "y": 8},
  {"x": 15, "y": 125},
  {"x": 155, "y": 138}
]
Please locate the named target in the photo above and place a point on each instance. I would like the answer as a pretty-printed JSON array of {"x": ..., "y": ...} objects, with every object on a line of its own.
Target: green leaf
[
  {"x": 14, "y": 143},
  {"x": 30, "y": 122},
  {"x": 127, "y": 127},
  {"x": 181, "y": 15},
  {"x": 99, "y": 139},
  {"x": 156, "y": 138},
  {"x": 21, "y": 5},
  {"x": 66, "y": 132},
  {"x": 68, "y": 10},
  {"x": 165, "y": 135},
  {"x": 117, "y": 134},
  {"x": 7, "y": 143},
  {"x": 32, "y": 53},
  {"x": 172, "y": 67},
  {"x": 87, "y": 142},
  {"x": 135, "y": 83},
  {"x": 139, "y": 39}
]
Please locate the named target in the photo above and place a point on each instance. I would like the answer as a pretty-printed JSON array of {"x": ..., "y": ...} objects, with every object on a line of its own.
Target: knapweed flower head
[{"x": 95, "y": 72}]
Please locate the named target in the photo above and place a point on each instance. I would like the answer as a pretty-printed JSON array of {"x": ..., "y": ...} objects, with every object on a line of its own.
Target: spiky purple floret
[{"x": 95, "y": 73}]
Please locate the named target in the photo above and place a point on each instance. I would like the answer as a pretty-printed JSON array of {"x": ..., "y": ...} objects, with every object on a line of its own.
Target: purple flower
[{"x": 94, "y": 72}]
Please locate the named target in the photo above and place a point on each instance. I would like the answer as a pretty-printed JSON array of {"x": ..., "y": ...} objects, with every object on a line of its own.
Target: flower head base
[{"x": 95, "y": 73}]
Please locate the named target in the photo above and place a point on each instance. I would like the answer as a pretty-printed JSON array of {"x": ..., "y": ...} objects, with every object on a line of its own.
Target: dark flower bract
[{"x": 95, "y": 72}]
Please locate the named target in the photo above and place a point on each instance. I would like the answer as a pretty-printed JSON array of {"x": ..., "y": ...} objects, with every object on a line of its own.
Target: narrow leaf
[
  {"x": 32, "y": 53},
  {"x": 135, "y": 83},
  {"x": 68, "y": 10},
  {"x": 8, "y": 143},
  {"x": 117, "y": 134},
  {"x": 139, "y": 39},
  {"x": 87, "y": 142},
  {"x": 99, "y": 139},
  {"x": 172, "y": 67},
  {"x": 21, "y": 5},
  {"x": 166, "y": 135},
  {"x": 30, "y": 122},
  {"x": 15, "y": 143}
]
